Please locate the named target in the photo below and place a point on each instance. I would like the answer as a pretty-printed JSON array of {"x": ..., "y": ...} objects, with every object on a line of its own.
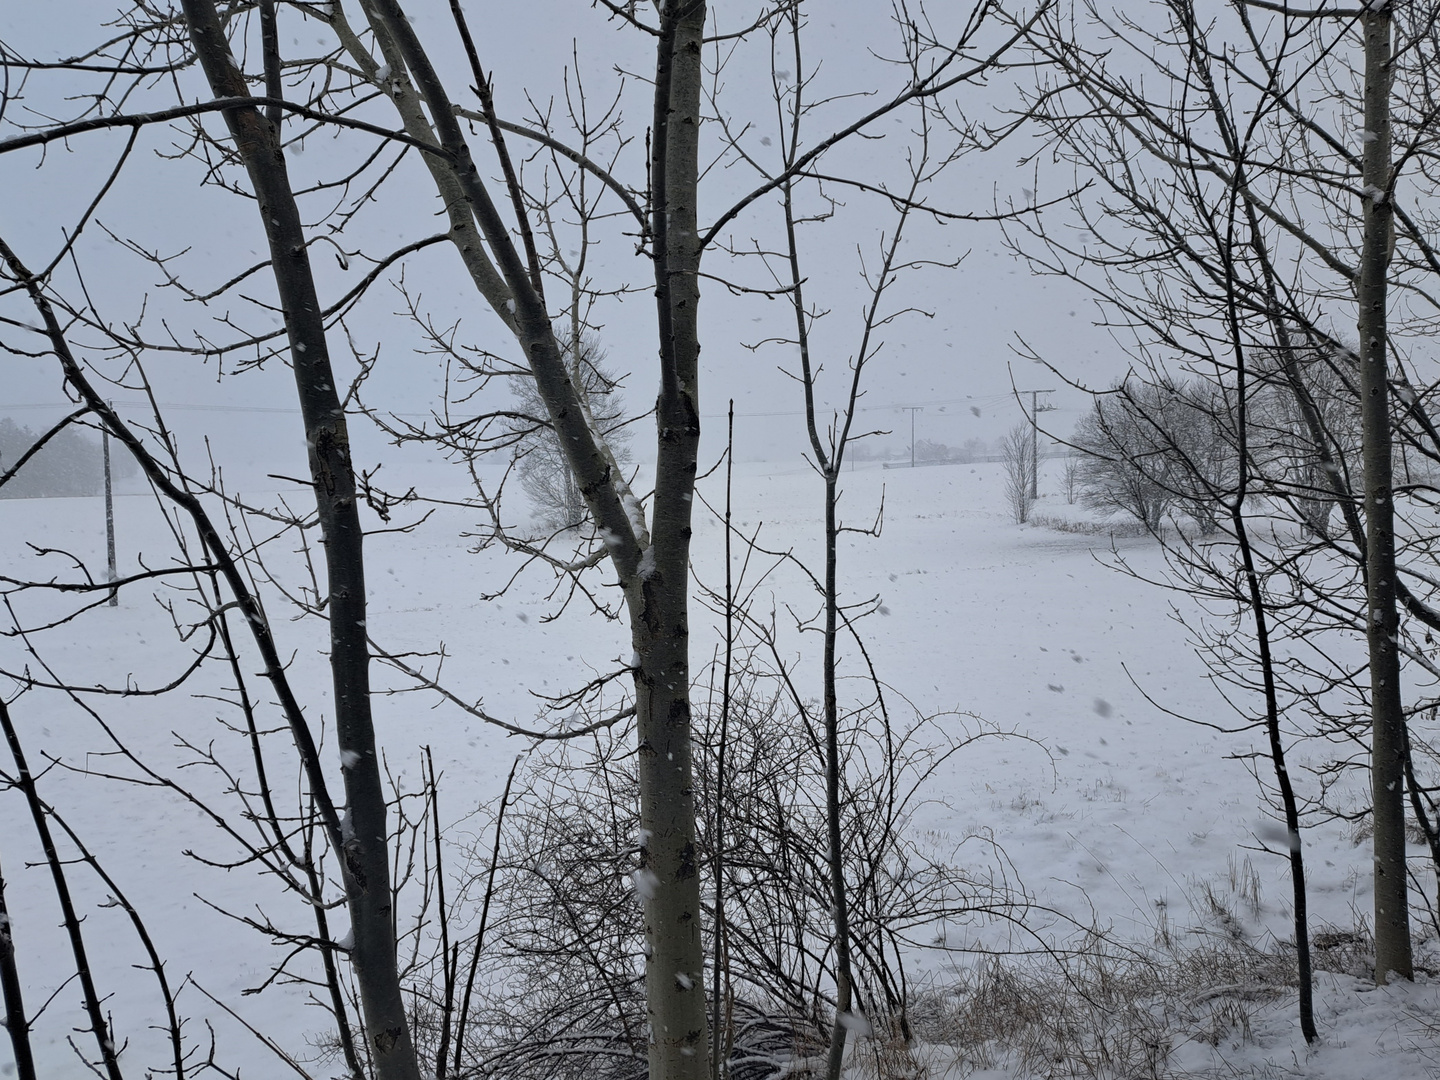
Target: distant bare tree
[
  {"x": 1124, "y": 463},
  {"x": 1017, "y": 452},
  {"x": 544, "y": 473},
  {"x": 1070, "y": 477},
  {"x": 1149, "y": 446},
  {"x": 1304, "y": 423}
]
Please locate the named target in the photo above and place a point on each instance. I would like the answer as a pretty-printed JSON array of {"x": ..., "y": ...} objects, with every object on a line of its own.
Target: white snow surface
[{"x": 1107, "y": 809}]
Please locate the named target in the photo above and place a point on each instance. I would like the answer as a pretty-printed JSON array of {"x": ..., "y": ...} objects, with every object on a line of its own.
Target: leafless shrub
[
  {"x": 560, "y": 988},
  {"x": 1109, "y": 1011},
  {"x": 1089, "y": 528}
]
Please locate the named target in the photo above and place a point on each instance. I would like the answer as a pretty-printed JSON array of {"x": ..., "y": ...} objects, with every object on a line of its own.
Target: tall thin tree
[
  {"x": 1393, "y": 952},
  {"x": 364, "y": 851}
]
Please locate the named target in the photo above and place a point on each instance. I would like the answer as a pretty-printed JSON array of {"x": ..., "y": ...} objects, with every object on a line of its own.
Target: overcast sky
[{"x": 956, "y": 361}]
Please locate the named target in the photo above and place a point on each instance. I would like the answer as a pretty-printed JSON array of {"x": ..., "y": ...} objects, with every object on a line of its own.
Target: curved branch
[
  {"x": 199, "y": 108},
  {"x": 588, "y": 164},
  {"x": 39, "y": 444},
  {"x": 427, "y": 683}
]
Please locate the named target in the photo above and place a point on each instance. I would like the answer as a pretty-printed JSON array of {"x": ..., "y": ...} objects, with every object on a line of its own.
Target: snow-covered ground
[{"x": 1110, "y": 810}]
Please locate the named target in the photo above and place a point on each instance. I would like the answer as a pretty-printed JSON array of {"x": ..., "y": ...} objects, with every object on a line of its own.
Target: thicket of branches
[
  {"x": 1147, "y": 448},
  {"x": 541, "y": 210},
  {"x": 678, "y": 890},
  {"x": 1268, "y": 198},
  {"x": 560, "y": 991}
]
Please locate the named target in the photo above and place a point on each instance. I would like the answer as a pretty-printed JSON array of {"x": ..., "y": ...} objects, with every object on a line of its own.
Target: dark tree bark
[
  {"x": 71, "y": 919},
  {"x": 17, "y": 1025},
  {"x": 1289, "y": 805},
  {"x": 364, "y": 856}
]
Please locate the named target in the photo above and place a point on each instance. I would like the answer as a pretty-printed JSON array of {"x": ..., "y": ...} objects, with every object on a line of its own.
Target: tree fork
[{"x": 656, "y": 587}]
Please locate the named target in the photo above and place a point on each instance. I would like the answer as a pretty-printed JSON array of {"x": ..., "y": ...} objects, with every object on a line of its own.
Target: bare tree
[
  {"x": 1298, "y": 385},
  {"x": 540, "y": 462},
  {"x": 375, "y": 82},
  {"x": 651, "y": 561},
  {"x": 1205, "y": 247},
  {"x": 1017, "y": 453},
  {"x": 1387, "y": 709},
  {"x": 1149, "y": 446},
  {"x": 1070, "y": 477},
  {"x": 362, "y": 842},
  {"x": 829, "y": 443}
]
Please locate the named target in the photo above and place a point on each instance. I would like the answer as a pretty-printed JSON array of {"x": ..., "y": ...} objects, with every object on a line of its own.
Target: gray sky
[{"x": 956, "y": 362}]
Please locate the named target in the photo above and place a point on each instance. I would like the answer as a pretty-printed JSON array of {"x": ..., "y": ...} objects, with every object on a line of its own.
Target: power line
[
  {"x": 177, "y": 406},
  {"x": 942, "y": 403}
]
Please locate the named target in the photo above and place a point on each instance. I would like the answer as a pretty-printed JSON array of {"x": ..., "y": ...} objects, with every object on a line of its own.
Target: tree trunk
[
  {"x": 653, "y": 568},
  {"x": 839, "y": 897},
  {"x": 658, "y": 596},
  {"x": 1288, "y": 802},
  {"x": 364, "y": 857},
  {"x": 1392, "y": 914},
  {"x": 17, "y": 1025}
]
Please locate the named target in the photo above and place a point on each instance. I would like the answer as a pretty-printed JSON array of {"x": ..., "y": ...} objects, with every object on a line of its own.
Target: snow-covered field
[{"x": 1110, "y": 810}]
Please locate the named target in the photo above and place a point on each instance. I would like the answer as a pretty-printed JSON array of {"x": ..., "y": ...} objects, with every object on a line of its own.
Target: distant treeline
[{"x": 70, "y": 464}]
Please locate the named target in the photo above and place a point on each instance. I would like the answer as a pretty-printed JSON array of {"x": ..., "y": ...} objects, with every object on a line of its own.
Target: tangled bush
[{"x": 561, "y": 990}]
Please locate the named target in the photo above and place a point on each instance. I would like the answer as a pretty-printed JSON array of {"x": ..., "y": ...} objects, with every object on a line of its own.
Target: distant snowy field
[{"x": 1115, "y": 813}]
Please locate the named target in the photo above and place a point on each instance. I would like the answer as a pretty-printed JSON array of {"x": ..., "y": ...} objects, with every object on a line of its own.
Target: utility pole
[
  {"x": 1035, "y": 410},
  {"x": 109, "y": 516},
  {"x": 912, "y": 410}
]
